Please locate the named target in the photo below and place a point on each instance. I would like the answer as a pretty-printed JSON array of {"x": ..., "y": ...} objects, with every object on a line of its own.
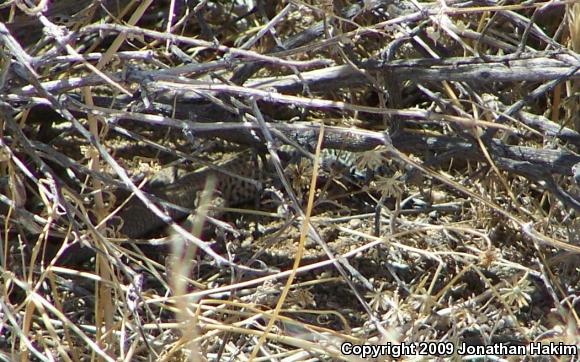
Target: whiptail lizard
[{"x": 238, "y": 180}]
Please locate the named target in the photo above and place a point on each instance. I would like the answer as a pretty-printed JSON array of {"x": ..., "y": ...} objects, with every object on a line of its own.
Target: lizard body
[
  {"x": 238, "y": 181},
  {"x": 233, "y": 185}
]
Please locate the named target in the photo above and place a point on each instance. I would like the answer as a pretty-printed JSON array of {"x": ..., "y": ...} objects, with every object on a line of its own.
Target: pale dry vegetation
[{"x": 445, "y": 207}]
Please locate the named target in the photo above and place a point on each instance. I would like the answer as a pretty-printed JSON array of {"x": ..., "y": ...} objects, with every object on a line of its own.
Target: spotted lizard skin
[
  {"x": 238, "y": 181},
  {"x": 233, "y": 186}
]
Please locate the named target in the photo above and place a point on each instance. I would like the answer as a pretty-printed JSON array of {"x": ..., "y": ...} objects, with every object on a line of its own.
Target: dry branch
[{"x": 449, "y": 171}]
